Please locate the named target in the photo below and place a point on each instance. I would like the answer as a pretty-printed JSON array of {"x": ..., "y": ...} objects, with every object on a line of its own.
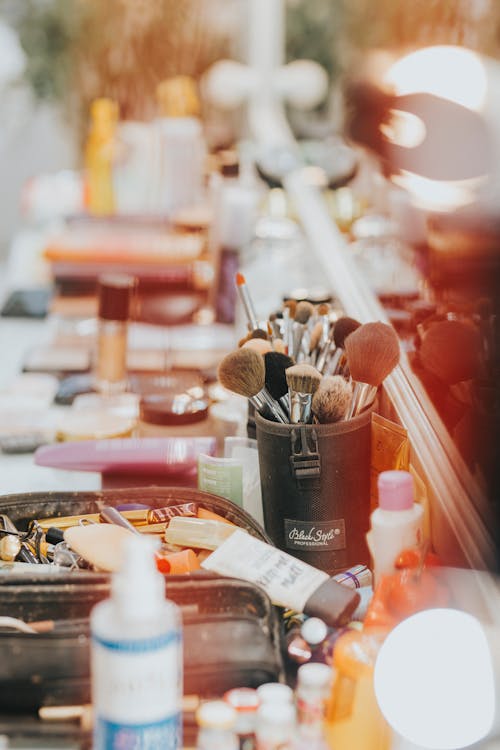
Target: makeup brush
[
  {"x": 243, "y": 371},
  {"x": 302, "y": 380},
  {"x": 372, "y": 352},
  {"x": 246, "y": 301},
  {"x": 303, "y": 312},
  {"x": 332, "y": 399},
  {"x": 343, "y": 327},
  {"x": 279, "y": 346},
  {"x": 451, "y": 350},
  {"x": 323, "y": 312},
  {"x": 315, "y": 341},
  {"x": 258, "y": 333},
  {"x": 260, "y": 346},
  {"x": 276, "y": 363},
  {"x": 289, "y": 309}
]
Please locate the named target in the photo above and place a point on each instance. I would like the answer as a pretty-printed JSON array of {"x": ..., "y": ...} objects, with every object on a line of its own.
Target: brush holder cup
[{"x": 316, "y": 489}]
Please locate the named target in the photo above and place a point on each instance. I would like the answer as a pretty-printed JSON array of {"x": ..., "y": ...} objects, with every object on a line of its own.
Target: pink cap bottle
[{"x": 395, "y": 490}]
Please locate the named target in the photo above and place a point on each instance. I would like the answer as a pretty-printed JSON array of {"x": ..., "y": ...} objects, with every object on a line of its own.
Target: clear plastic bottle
[
  {"x": 313, "y": 688},
  {"x": 216, "y": 721},
  {"x": 398, "y": 522},
  {"x": 136, "y": 658},
  {"x": 276, "y": 726}
]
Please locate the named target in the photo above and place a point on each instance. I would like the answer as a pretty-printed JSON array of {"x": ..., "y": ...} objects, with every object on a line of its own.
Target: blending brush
[
  {"x": 260, "y": 346},
  {"x": 343, "y": 328},
  {"x": 315, "y": 339},
  {"x": 246, "y": 301},
  {"x": 303, "y": 312},
  {"x": 323, "y": 312},
  {"x": 289, "y": 309},
  {"x": 258, "y": 333},
  {"x": 243, "y": 371},
  {"x": 303, "y": 381},
  {"x": 372, "y": 352},
  {"x": 276, "y": 363},
  {"x": 332, "y": 399}
]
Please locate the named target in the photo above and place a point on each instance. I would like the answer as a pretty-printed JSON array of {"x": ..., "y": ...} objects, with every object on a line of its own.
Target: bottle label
[
  {"x": 137, "y": 692},
  {"x": 315, "y": 535}
]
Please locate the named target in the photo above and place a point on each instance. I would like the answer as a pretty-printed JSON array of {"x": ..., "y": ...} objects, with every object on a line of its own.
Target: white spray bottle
[{"x": 136, "y": 658}]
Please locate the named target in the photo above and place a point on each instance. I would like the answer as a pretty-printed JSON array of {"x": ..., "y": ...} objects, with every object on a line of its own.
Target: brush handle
[
  {"x": 297, "y": 334},
  {"x": 263, "y": 399},
  {"x": 246, "y": 301},
  {"x": 112, "y": 515},
  {"x": 363, "y": 395},
  {"x": 285, "y": 405},
  {"x": 300, "y": 407},
  {"x": 332, "y": 366},
  {"x": 324, "y": 354}
]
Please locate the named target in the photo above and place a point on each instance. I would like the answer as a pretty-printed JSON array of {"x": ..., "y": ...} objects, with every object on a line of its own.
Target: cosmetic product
[
  {"x": 137, "y": 698},
  {"x": 332, "y": 399},
  {"x": 289, "y": 308},
  {"x": 157, "y": 515},
  {"x": 216, "y": 726},
  {"x": 73, "y": 426},
  {"x": 178, "y": 563},
  {"x": 246, "y": 301},
  {"x": 101, "y": 545},
  {"x": 99, "y": 156},
  {"x": 275, "y": 693},
  {"x": 275, "y": 726},
  {"x": 243, "y": 371},
  {"x": 372, "y": 352},
  {"x": 397, "y": 523},
  {"x": 244, "y": 450},
  {"x": 173, "y": 414},
  {"x": 303, "y": 312},
  {"x": 169, "y": 455},
  {"x": 314, "y": 342},
  {"x": 258, "y": 345},
  {"x": 303, "y": 381},
  {"x": 197, "y": 532},
  {"x": 115, "y": 294},
  {"x": 288, "y": 582},
  {"x": 181, "y": 146},
  {"x": 10, "y": 546},
  {"x": 390, "y": 451},
  {"x": 25, "y": 553},
  {"x": 276, "y": 363},
  {"x": 221, "y": 476},
  {"x": 342, "y": 329},
  {"x": 313, "y": 688},
  {"x": 245, "y": 701},
  {"x": 356, "y": 577},
  {"x": 112, "y": 515}
]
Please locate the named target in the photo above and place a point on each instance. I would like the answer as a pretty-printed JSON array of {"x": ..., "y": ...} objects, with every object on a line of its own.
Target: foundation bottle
[{"x": 115, "y": 294}]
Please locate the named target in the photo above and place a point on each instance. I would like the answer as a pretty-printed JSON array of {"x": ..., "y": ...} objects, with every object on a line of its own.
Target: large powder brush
[
  {"x": 332, "y": 399},
  {"x": 452, "y": 351},
  {"x": 243, "y": 372},
  {"x": 372, "y": 353},
  {"x": 303, "y": 381}
]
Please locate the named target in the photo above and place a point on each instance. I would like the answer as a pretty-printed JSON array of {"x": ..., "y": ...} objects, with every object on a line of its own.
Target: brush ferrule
[
  {"x": 300, "y": 407},
  {"x": 363, "y": 395},
  {"x": 263, "y": 399},
  {"x": 285, "y": 405}
]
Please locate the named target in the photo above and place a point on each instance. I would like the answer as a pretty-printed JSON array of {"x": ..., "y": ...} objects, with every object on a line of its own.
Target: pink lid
[{"x": 395, "y": 490}]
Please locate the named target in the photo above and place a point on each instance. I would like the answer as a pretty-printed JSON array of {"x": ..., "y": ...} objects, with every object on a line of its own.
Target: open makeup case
[{"x": 231, "y": 630}]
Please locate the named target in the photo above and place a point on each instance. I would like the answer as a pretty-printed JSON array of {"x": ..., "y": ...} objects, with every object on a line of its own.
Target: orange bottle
[{"x": 99, "y": 154}]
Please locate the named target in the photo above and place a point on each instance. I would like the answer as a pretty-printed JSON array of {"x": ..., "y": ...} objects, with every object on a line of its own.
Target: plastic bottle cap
[
  {"x": 395, "y": 490},
  {"x": 275, "y": 693},
  {"x": 115, "y": 293},
  {"x": 243, "y": 700},
  {"x": 276, "y": 713},
  {"x": 138, "y": 589},
  {"x": 332, "y": 602},
  {"x": 315, "y": 675},
  {"x": 314, "y": 631},
  {"x": 216, "y": 715}
]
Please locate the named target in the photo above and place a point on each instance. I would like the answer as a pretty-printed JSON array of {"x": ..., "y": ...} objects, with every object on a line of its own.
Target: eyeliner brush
[{"x": 246, "y": 301}]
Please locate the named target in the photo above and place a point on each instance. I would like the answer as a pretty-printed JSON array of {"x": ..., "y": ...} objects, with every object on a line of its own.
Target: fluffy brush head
[
  {"x": 303, "y": 312},
  {"x": 260, "y": 346},
  {"x": 331, "y": 400},
  {"x": 291, "y": 306},
  {"x": 343, "y": 328},
  {"x": 451, "y": 350},
  {"x": 316, "y": 334},
  {"x": 323, "y": 308},
  {"x": 242, "y": 371},
  {"x": 372, "y": 352},
  {"x": 276, "y": 364},
  {"x": 303, "y": 378},
  {"x": 279, "y": 346},
  {"x": 257, "y": 333}
]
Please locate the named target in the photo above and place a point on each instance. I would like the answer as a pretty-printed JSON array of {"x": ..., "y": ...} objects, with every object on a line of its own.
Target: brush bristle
[
  {"x": 276, "y": 364},
  {"x": 331, "y": 400},
  {"x": 451, "y": 350},
  {"x": 258, "y": 333},
  {"x": 372, "y": 352},
  {"x": 291, "y": 306},
  {"x": 244, "y": 340},
  {"x": 279, "y": 346},
  {"x": 260, "y": 346},
  {"x": 242, "y": 371},
  {"x": 343, "y": 328},
  {"x": 303, "y": 378},
  {"x": 323, "y": 308},
  {"x": 303, "y": 312},
  {"x": 315, "y": 336}
]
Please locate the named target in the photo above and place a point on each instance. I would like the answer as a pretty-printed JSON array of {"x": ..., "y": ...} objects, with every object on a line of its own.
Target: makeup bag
[
  {"x": 315, "y": 482},
  {"x": 231, "y": 631}
]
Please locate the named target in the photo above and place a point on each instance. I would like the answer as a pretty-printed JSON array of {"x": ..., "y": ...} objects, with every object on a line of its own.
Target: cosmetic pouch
[
  {"x": 315, "y": 481},
  {"x": 231, "y": 630}
]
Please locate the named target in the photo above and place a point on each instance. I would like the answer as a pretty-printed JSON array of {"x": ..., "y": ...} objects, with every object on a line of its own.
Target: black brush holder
[{"x": 316, "y": 489}]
